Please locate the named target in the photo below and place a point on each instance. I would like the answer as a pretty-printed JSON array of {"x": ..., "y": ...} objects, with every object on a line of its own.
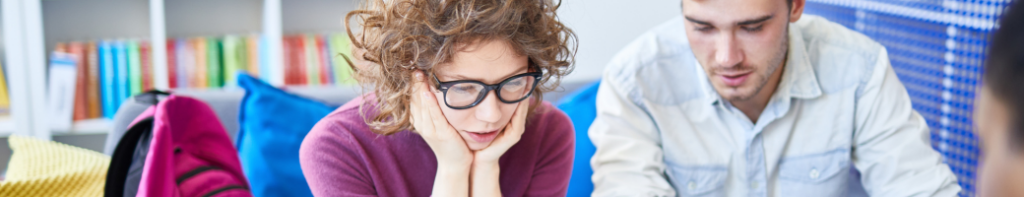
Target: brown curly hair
[{"x": 400, "y": 36}]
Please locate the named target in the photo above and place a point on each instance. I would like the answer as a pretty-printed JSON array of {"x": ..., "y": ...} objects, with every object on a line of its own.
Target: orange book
[
  {"x": 81, "y": 108},
  {"x": 253, "y": 56},
  {"x": 200, "y": 80},
  {"x": 92, "y": 88},
  {"x": 61, "y": 47}
]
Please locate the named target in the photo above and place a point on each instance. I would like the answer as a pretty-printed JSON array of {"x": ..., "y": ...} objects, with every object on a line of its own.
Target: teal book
[
  {"x": 108, "y": 86},
  {"x": 122, "y": 82}
]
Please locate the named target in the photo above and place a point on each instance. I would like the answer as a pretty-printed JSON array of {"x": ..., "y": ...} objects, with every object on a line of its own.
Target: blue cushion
[
  {"x": 581, "y": 106},
  {"x": 272, "y": 125}
]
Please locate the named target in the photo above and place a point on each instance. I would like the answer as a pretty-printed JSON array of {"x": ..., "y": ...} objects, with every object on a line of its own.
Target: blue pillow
[
  {"x": 272, "y": 125},
  {"x": 581, "y": 106}
]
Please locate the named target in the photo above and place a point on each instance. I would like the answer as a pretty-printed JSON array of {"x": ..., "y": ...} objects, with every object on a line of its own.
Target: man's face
[
  {"x": 739, "y": 43},
  {"x": 1000, "y": 173}
]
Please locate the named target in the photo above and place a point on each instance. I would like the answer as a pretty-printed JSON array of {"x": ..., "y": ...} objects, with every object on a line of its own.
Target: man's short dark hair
[
  {"x": 1004, "y": 70},
  {"x": 789, "y": 3}
]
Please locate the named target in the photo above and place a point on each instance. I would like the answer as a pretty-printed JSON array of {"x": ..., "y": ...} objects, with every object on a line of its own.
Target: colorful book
[
  {"x": 122, "y": 74},
  {"x": 312, "y": 60},
  {"x": 252, "y": 56},
  {"x": 290, "y": 72},
  {"x": 214, "y": 66},
  {"x": 340, "y": 46},
  {"x": 232, "y": 59},
  {"x": 61, "y": 90},
  {"x": 201, "y": 81},
  {"x": 186, "y": 63},
  {"x": 326, "y": 73},
  {"x": 81, "y": 106},
  {"x": 134, "y": 68},
  {"x": 146, "y": 65},
  {"x": 5, "y": 99},
  {"x": 172, "y": 63},
  {"x": 108, "y": 83},
  {"x": 93, "y": 90}
]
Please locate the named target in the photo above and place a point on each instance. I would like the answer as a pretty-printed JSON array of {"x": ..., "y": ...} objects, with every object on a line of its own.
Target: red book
[
  {"x": 286, "y": 48},
  {"x": 172, "y": 64},
  {"x": 93, "y": 83},
  {"x": 300, "y": 55},
  {"x": 146, "y": 65},
  {"x": 81, "y": 106},
  {"x": 324, "y": 65}
]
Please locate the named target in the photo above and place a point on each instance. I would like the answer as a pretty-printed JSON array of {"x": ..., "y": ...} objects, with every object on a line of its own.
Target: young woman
[{"x": 456, "y": 107}]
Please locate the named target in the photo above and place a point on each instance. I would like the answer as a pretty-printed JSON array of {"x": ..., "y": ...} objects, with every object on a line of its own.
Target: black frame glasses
[{"x": 444, "y": 86}]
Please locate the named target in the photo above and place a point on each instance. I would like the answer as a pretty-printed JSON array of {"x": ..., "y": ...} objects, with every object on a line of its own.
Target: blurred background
[{"x": 124, "y": 47}]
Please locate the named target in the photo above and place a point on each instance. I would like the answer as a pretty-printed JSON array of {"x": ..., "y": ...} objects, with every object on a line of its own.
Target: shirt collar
[{"x": 798, "y": 77}]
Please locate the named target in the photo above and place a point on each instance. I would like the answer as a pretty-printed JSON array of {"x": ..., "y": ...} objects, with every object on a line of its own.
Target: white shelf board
[
  {"x": 6, "y": 126},
  {"x": 87, "y": 127}
]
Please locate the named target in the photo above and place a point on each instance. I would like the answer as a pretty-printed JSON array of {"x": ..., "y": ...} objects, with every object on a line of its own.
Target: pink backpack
[{"x": 189, "y": 153}]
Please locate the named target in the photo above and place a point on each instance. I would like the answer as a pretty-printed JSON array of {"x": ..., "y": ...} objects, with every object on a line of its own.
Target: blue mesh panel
[{"x": 937, "y": 48}]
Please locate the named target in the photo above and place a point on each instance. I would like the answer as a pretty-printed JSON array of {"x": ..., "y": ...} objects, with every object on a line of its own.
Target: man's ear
[{"x": 796, "y": 10}]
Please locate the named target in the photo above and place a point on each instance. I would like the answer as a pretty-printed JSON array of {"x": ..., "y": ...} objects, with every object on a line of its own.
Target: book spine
[
  {"x": 134, "y": 68},
  {"x": 201, "y": 61},
  {"x": 81, "y": 106},
  {"x": 253, "y": 56},
  {"x": 108, "y": 72},
  {"x": 214, "y": 65},
  {"x": 146, "y": 64},
  {"x": 172, "y": 63},
  {"x": 93, "y": 89},
  {"x": 326, "y": 72},
  {"x": 312, "y": 60},
  {"x": 122, "y": 75}
]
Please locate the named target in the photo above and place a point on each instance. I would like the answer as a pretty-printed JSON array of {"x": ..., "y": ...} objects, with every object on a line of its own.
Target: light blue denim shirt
[{"x": 662, "y": 130}]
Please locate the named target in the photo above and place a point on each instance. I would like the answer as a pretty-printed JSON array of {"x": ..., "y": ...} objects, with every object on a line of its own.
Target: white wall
[{"x": 605, "y": 26}]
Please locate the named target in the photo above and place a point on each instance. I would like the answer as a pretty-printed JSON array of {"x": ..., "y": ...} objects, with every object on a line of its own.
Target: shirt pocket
[
  {"x": 821, "y": 174},
  {"x": 706, "y": 180}
]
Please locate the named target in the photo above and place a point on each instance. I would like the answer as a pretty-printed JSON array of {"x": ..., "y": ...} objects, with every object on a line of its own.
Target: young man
[
  {"x": 750, "y": 98},
  {"x": 1000, "y": 111}
]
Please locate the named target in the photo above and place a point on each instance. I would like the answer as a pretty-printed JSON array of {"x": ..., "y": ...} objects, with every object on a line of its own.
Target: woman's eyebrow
[{"x": 456, "y": 77}]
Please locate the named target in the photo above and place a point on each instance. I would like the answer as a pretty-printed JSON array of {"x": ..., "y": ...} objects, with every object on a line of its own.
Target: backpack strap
[{"x": 121, "y": 160}]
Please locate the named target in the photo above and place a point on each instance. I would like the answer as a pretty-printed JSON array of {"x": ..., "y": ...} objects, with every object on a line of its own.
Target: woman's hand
[
  {"x": 510, "y": 136},
  {"x": 486, "y": 171},
  {"x": 453, "y": 156}
]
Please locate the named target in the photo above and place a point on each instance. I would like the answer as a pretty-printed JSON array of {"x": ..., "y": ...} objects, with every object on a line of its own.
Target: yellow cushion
[{"x": 42, "y": 168}]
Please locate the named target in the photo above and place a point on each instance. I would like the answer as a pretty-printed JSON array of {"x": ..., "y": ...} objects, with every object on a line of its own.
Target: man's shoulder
[
  {"x": 845, "y": 57},
  {"x": 657, "y": 66}
]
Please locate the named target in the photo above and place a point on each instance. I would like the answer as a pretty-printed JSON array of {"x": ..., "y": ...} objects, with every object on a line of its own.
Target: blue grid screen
[{"x": 937, "y": 48}]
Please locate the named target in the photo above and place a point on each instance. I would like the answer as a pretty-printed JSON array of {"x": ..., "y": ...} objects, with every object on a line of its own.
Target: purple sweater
[{"x": 341, "y": 156}]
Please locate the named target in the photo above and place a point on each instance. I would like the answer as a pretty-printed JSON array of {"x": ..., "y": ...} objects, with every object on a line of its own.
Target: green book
[
  {"x": 214, "y": 66},
  {"x": 134, "y": 68},
  {"x": 341, "y": 45},
  {"x": 229, "y": 47},
  {"x": 312, "y": 60}
]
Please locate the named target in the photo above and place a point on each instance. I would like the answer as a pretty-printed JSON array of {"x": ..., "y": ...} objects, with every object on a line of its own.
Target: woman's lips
[
  {"x": 735, "y": 79},
  {"x": 484, "y": 137}
]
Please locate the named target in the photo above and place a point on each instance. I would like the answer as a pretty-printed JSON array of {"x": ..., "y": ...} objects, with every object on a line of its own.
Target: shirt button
[
  {"x": 753, "y": 185},
  {"x": 691, "y": 185},
  {"x": 815, "y": 174}
]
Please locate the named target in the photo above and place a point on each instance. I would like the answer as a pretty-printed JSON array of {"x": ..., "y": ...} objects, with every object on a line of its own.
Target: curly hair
[{"x": 398, "y": 37}]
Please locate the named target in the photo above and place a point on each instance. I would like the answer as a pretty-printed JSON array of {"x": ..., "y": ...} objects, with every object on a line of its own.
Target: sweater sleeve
[
  {"x": 554, "y": 167},
  {"x": 332, "y": 162}
]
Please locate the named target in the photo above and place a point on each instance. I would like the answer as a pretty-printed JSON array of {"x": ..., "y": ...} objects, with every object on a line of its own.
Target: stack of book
[
  {"x": 317, "y": 60},
  {"x": 111, "y": 71}
]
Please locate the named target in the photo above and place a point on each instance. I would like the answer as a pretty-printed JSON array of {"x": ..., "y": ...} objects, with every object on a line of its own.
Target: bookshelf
[{"x": 32, "y": 28}]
